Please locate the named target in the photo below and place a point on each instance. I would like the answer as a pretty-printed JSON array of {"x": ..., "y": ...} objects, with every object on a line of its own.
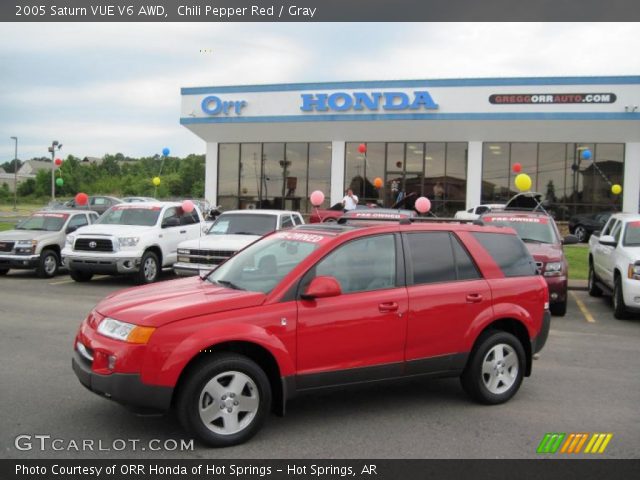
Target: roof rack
[{"x": 408, "y": 221}]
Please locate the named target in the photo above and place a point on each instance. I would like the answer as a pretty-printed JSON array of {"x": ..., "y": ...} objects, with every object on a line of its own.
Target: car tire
[
  {"x": 593, "y": 288},
  {"x": 581, "y": 233},
  {"x": 619, "y": 307},
  {"x": 558, "y": 309},
  {"x": 225, "y": 400},
  {"x": 80, "y": 276},
  {"x": 48, "y": 264},
  {"x": 490, "y": 377},
  {"x": 4, "y": 271},
  {"x": 149, "y": 269}
]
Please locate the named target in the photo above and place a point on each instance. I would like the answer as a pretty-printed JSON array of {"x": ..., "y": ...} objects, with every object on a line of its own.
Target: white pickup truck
[
  {"x": 614, "y": 263},
  {"x": 475, "y": 212},
  {"x": 131, "y": 238}
]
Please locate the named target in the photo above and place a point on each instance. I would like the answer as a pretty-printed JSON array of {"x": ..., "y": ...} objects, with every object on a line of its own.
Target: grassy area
[{"x": 578, "y": 258}]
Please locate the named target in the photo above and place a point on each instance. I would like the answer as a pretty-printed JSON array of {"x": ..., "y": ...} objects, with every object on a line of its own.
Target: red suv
[
  {"x": 539, "y": 232},
  {"x": 320, "y": 306}
]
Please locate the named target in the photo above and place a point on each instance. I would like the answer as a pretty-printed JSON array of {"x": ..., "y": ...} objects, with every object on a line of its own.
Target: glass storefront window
[{"x": 228, "y": 170}]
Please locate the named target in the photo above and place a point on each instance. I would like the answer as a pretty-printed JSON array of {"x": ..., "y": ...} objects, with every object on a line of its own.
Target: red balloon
[
  {"x": 362, "y": 148},
  {"x": 82, "y": 199},
  {"x": 58, "y": 162},
  {"x": 517, "y": 168}
]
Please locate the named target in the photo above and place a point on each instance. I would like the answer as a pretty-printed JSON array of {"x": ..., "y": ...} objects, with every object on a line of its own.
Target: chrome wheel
[
  {"x": 150, "y": 269},
  {"x": 500, "y": 368},
  {"x": 229, "y": 402},
  {"x": 581, "y": 233},
  {"x": 50, "y": 265}
]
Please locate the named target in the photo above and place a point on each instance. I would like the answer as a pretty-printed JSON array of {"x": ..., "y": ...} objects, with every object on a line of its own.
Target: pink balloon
[
  {"x": 423, "y": 205},
  {"x": 187, "y": 206},
  {"x": 317, "y": 198}
]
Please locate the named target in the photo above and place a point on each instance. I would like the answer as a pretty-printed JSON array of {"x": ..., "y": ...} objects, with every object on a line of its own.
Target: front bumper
[
  {"x": 539, "y": 342},
  {"x": 19, "y": 261},
  {"x": 557, "y": 288},
  {"x": 124, "y": 388},
  {"x": 190, "y": 269},
  {"x": 631, "y": 294},
  {"x": 104, "y": 265}
]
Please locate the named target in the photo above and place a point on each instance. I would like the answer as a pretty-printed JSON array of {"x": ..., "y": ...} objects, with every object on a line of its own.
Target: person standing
[{"x": 349, "y": 201}]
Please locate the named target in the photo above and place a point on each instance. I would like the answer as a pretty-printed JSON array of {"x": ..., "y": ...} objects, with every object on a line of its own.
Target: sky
[{"x": 103, "y": 88}]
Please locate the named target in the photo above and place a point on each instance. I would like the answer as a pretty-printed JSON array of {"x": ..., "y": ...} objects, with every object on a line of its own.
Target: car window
[
  {"x": 171, "y": 212},
  {"x": 243, "y": 224},
  {"x": 78, "y": 221},
  {"x": 99, "y": 201},
  {"x": 189, "y": 218},
  {"x": 481, "y": 210},
  {"x": 509, "y": 253},
  {"x": 615, "y": 233},
  {"x": 536, "y": 229},
  {"x": 50, "y": 222},
  {"x": 297, "y": 219},
  {"x": 607, "y": 227},
  {"x": 465, "y": 266},
  {"x": 130, "y": 215},
  {"x": 286, "y": 221},
  {"x": 632, "y": 234},
  {"x": 361, "y": 265},
  {"x": 93, "y": 217},
  {"x": 470, "y": 210}
]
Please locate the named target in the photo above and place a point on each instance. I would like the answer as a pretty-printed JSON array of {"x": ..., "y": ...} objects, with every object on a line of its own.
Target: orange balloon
[{"x": 377, "y": 182}]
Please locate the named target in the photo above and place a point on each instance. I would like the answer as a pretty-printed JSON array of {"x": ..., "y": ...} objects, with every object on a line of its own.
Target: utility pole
[
  {"x": 54, "y": 145},
  {"x": 15, "y": 176}
]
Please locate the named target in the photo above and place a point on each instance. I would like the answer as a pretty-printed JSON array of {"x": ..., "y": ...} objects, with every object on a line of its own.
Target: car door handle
[
  {"x": 183, "y": 231},
  {"x": 387, "y": 307},
  {"x": 474, "y": 298}
]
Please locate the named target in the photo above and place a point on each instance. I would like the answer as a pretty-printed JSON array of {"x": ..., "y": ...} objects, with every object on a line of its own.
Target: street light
[
  {"x": 15, "y": 176},
  {"x": 52, "y": 149}
]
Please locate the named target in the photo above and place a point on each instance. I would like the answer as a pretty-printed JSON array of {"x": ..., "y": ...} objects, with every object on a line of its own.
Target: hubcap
[
  {"x": 228, "y": 403},
  {"x": 50, "y": 264},
  {"x": 500, "y": 368},
  {"x": 150, "y": 269},
  {"x": 580, "y": 233}
]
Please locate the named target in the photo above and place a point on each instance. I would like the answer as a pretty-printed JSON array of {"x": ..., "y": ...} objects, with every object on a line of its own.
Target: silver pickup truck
[{"x": 37, "y": 241}]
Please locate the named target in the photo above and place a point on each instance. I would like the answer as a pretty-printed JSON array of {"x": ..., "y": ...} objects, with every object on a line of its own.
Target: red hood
[
  {"x": 161, "y": 303},
  {"x": 545, "y": 252}
]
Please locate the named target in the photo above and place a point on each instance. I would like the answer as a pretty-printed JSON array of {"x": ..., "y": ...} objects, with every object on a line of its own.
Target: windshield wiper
[
  {"x": 245, "y": 233},
  {"x": 532, "y": 240},
  {"x": 229, "y": 284}
]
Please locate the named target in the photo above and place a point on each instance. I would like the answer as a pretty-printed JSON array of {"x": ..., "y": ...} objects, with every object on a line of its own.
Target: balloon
[
  {"x": 187, "y": 206},
  {"x": 523, "y": 182},
  {"x": 517, "y": 168},
  {"x": 59, "y": 182},
  {"x": 58, "y": 162},
  {"x": 82, "y": 199},
  {"x": 362, "y": 148},
  {"x": 317, "y": 198},
  {"x": 616, "y": 189},
  {"x": 423, "y": 205},
  {"x": 166, "y": 151},
  {"x": 377, "y": 182},
  {"x": 586, "y": 154},
  {"x": 156, "y": 181}
]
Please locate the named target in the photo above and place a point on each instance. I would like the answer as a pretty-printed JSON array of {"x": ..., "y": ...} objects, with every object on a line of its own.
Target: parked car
[
  {"x": 540, "y": 234},
  {"x": 332, "y": 214},
  {"x": 139, "y": 199},
  {"x": 320, "y": 306},
  {"x": 37, "y": 241},
  {"x": 137, "y": 239},
  {"x": 97, "y": 203},
  {"x": 583, "y": 225},
  {"x": 614, "y": 263},
  {"x": 231, "y": 232},
  {"x": 474, "y": 212}
]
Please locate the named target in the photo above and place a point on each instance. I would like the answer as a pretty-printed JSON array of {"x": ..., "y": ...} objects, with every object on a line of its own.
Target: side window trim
[
  {"x": 454, "y": 238},
  {"x": 410, "y": 273}
]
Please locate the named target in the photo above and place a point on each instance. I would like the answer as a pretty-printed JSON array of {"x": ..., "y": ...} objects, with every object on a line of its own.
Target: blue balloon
[
  {"x": 165, "y": 151},
  {"x": 586, "y": 154}
]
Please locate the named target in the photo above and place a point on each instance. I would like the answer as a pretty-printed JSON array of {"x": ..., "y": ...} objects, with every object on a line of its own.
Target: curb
[{"x": 580, "y": 285}]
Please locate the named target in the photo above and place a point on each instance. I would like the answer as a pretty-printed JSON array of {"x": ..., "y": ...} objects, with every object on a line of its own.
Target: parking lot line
[
  {"x": 62, "y": 282},
  {"x": 583, "y": 308}
]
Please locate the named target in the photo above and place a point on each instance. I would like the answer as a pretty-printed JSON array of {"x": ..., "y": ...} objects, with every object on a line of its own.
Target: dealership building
[{"x": 455, "y": 141}]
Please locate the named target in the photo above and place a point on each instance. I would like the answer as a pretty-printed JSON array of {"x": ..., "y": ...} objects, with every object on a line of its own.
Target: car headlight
[
  {"x": 128, "y": 241},
  {"x": 553, "y": 269},
  {"x": 634, "y": 271},
  {"x": 183, "y": 251},
  {"x": 126, "y": 332},
  {"x": 26, "y": 246},
  {"x": 68, "y": 242}
]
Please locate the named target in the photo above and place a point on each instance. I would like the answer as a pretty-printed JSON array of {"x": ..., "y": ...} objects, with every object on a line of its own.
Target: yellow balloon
[
  {"x": 616, "y": 189},
  {"x": 156, "y": 181},
  {"x": 523, "y": 182}
]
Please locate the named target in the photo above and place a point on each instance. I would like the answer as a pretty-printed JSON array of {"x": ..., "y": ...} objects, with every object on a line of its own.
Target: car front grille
[
  {"x": 6, "y": 246},
  {"x": 93, "y": 245},
  {"x": 208, "y": 257}
]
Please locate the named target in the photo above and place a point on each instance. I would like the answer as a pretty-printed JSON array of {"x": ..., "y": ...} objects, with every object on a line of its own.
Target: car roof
[
  {"x": 259, "y": 212},
  {"x": 516, "y": 213},
  {"x": 627, "y": 216},
  {"x": 67, "y": 211}
]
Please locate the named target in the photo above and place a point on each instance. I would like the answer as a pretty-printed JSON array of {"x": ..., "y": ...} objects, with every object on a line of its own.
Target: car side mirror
[
  {"x": 322, "y": 287},
  {"x": 570, "y": 240},
  {"x": 608, "y": 240},
  {"x": 72, "y": 228},
  {"x": 171, "y": 222}
]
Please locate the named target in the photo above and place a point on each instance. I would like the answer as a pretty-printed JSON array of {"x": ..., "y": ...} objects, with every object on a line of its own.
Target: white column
[
  {"x": 631, "y": 192},
  {"x": 337, "y": 171},
  {"x": 474, "y": 174},
  {"x": 211, "y": 174}
]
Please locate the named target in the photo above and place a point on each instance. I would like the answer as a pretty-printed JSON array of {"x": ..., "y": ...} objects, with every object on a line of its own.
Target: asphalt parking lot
[{"x": 586, "y": 380}]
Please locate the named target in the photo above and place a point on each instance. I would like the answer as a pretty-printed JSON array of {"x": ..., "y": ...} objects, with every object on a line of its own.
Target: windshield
[
  {"x": 138, "y": 215},
  {"x": 632, "y": 235},
  {"x": 261, "y": 266},
  {"x": 529, "y": 229},
  {"x": 50, "y": 222},
  {"x": 243, "y": 224}
]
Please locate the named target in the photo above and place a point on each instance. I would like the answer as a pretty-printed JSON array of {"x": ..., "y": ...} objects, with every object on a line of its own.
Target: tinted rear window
[{"x": 509, "y": 253}]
